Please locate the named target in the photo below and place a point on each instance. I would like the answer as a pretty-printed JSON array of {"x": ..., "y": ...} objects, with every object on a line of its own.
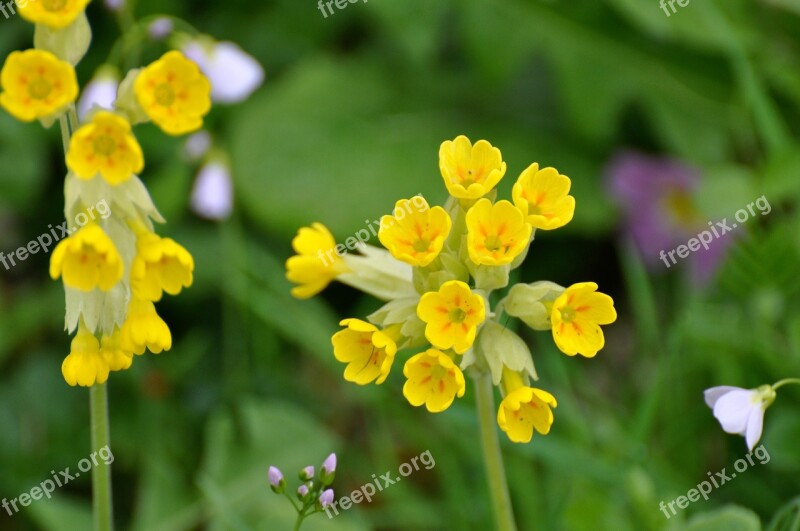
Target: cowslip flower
[
  {"x": 470, "y": 172},
  {"x": 144, "y": 329},
  {"x": 433, "y": 379},
  {"x": 543, "y": 197},
  {"x": 452, "y": 316},
  {"x": 524, "y": 410},
  {"x": 105, "y": 146},
  {"x": 55, "y": 14},
  {"x": 416, "y": 233},
  {"x": 161, "y": 265},
  {"x": 87, "y": 260},
  {"x": 741, "y": 411},
  {"x": 212, "y": 195},
  {"x": 113, "y": 353},
  {"x": 36, "y": 84},
  {"x": 234, "y": 74},
  {"x": 576, "y": 315},
  {"x": 316, "y": 264},
  {"x": 85, "y": 365},
  {"x": 174, "y": 93},
  {"x": 368, "y": 352},
  {"x": 496, "y": 234}
]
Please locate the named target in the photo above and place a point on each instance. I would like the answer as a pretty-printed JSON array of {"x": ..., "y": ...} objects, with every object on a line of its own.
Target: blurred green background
[{"x": 349, "y": 119}]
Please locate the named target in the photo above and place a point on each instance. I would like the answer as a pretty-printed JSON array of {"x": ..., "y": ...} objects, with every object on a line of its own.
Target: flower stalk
[{"x": 101, "y": 473}]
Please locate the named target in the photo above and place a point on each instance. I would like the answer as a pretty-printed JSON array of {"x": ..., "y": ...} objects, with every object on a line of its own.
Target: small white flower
[
  {"x": 100, "y": 92},
  {"x": 197, "y": 145},
  {"x": 234, "y": 74},
  {"x": 114, "y": 5},
  {"x": 741, "y": 411},
  {"x": 212, "y": 197},
  {"x": 160, "y": 28}
]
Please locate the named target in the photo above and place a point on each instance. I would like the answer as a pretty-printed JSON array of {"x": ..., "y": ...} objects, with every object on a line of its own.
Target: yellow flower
[
  {"x": 524, "y": 410},
  {"x": 416, "y": 233},
  {"x": 85, "y": 365},
  {"x": 452, "y": 316},
  {"x": 144, "y": 329},
  {"x": 316, "y": 263},
  {"x": 368, "y": 352},
  {"x": 543, "y": 196},
  {"x": 106, "y": 146},
  {"x": 575, "y": 316},
  {"x": 496, "y": 234},
  {"x": 56, "y": 14},
  {"x": 112, "y": 352},
  {"x": 160, "y": 265},
  {"x": 433, "y": 380},
  {"x": 87, "y": 260},
  {"x": 469, "y": 171},
  {"x": 36, "y": 84},
  {"x": 174, "y": 93}
]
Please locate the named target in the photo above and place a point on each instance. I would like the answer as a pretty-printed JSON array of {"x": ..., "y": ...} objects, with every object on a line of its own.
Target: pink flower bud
[{"x": 326, "y": 498}]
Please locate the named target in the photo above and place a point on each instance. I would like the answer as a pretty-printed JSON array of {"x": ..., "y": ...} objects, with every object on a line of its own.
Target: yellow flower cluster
[
  {"x": 113, "y": 269},
  {"x": 443, "y": 264}
]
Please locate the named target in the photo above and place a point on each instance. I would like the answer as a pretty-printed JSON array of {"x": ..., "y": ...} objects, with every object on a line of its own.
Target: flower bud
[
  {"x": 276, "y": 481},
  {"x": 68, "y": 44},
  {"x": 531, "y": 303},
  {"x": 307, "y": 473},
  {"x": 302, "y": 492},
  {"x": 328, "y": 470},
  {"x": 500, "y": 348},
  {"x": 325, "y": 499}
]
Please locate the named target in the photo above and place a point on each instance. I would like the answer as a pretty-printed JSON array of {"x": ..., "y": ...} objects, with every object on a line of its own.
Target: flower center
[
  {"x": 567, "y": 314},
  {"x": 39, "y": 88},
  {"x": 54, "y": 5},
  {"x": 164, "y": 94},
  {"x": 421, "y": 245},
  {"x": 104, "y": 145},
  {"x": 438, "y": 372},
  {"x": 493, "y": 243},
  {"x": 457, "y": 315}
]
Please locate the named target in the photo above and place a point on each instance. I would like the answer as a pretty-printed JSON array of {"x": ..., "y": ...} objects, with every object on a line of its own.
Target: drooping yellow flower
[
  {"x": 87, "y": 260},
  {"x": 144, "y": 329},
  {"x": 56, "y": 14},
  {"x": 416, "y": 233},
  {"x": 469, "y": 171},
  {"x": 452, "y": 316},
  {"x": 367, "y": 351},
  {"x": 160, "y": 265},
  {"x": 433, "y": 380},
  {"x": 36, "y": 84},
  {"x": 112, "y": 352},
  {"x": 105, "y": 145},
  {"x": 174, "y": 93},
  {"x": 576, "y": 316},
  {"x": 496, "y": 234},
  {"x": 543, "y": 197},
  {"x": 524, "y": 410},
  {"x": 85, "y": 365},
  {"x": 316, "y": 263}
]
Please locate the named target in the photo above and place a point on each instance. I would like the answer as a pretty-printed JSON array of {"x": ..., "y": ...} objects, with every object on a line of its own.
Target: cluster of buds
[
  {"x": 113, "y": 268},
  {"x": 439, "y": 274},
  {"x": 313, "y": 494}
]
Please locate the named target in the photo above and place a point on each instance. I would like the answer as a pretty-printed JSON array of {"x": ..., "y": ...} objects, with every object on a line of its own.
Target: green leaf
[{"x": 730, "y": 518}]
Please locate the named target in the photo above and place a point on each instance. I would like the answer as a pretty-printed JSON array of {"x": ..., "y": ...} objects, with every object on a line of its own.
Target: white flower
[
  {"x": 160, "y": 28},
  {"x": 114, "y": 5},
  {"x": 197, "y": 145},
  {"x": 234, "y": 74},
  {"x": 741, "y": 411},
  {"x": 212, "y": 197},
  {"x": 101, "y": 92}
]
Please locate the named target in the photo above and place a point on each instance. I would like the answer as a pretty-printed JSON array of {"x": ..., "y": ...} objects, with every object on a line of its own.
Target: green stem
[
  {"x": 786, "y": 381},
  {"x": 101, "y": 473},
  {"x": 492, "y": 456},
  {"x": 299, "y": 522}
]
